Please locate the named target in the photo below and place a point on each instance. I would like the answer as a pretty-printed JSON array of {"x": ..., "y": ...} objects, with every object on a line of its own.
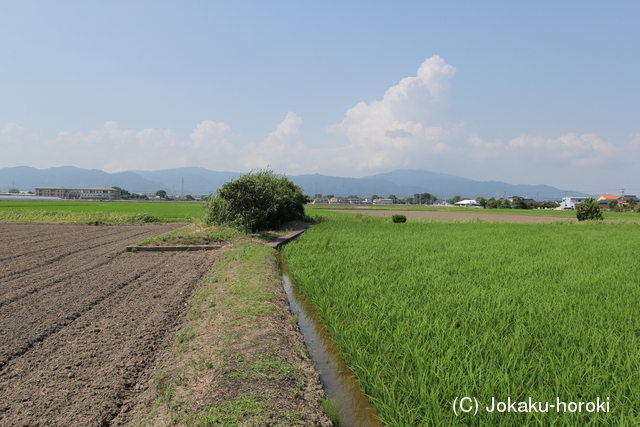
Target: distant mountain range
[{"x": 193, "y": 180}]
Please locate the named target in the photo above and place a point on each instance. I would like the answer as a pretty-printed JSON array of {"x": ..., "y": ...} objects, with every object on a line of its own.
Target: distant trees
[
  {"x": 493, "y": 203},
  {"x": 162, "y": 194},
  {"x": 256, "y": 201},
  {"x": 423, "y": 199},
  {"x": 519, "y": 203},
  {"x": 14, "y": 191},
  {"x": 482, "y": 201},
  {"x": 454, "y": 199},
  {"x": 588, "y": 210},
  {"x": 125, "y": 195},
  {"x": 547, "y": 204}
]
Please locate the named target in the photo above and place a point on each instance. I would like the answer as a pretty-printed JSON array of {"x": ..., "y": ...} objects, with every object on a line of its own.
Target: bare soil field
[
  {"x": 465, "y": 214},
  {"x": 82, "y": 322},
  {"x": 89, "y": 334}
]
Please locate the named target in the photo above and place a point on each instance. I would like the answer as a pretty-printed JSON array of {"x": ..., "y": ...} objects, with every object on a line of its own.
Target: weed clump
[{"x": 399, "y": 218}]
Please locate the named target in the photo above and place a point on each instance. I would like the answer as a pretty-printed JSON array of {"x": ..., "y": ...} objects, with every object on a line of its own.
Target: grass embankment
[
  {"x": 239, "y": 359},
  {"x": 101, "y": 212},
  {"x": 427, "y": 312}
]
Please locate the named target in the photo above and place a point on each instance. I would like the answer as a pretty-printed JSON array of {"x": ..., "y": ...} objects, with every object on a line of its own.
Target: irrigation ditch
[{"x": 338, "y": 381}]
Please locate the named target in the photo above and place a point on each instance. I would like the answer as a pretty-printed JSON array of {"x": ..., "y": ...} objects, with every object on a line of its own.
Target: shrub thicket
[
  {"x": 257, "y": 201},
  {"x": 588, "y": 210}
]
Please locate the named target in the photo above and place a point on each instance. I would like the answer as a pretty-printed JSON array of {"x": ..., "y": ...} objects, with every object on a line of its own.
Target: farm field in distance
[
  {"x": 164, "y": 211},
  {"x": 427, "y": 312}
]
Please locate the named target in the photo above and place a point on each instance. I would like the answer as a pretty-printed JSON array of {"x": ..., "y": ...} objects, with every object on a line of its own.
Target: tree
[
  {"x": 14, "y": 191},
  {"x": 454, "y": 199},
  {"x": 375, "y": 197},
  {"x": 482, "y": 201},
  {"x": 162, "y": 194},
  {"x": 424, "y": 198},
  {"x": 393, "y": 198},
  {"x": 519, "y": 203},
  {"x": 493, "y": 203},
  {"x": 588, "y": 210},
  {"x": 256, "y": 201},
  {"x": 248, "y": 199},
  {"x": 549, "y": 204},
  {"x": 613, "y": 204},
  {"x": 504, "y": 204},
  {"x": 124, "y": 194}
]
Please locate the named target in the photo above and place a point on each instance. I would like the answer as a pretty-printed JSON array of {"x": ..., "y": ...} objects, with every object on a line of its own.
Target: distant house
[
  {"x": 91, "y": 193},
  {"x": 604, "y": 200},
  {"x": 467, "y": 203},
  {"x": 524, "y": 199},
  {"x": 571, "y": 202},
  {"x": 383, "y": 202}
]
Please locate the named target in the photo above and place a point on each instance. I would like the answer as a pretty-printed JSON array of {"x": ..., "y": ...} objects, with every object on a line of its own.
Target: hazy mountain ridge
[{"x": 400, "y": 183}]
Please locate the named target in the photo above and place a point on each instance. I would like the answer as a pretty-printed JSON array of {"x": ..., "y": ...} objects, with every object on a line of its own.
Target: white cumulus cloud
[
  {"x": 282, "y": 150},
  {"x": 402, "y": 127},
  {"x": 569, "y": 149}
]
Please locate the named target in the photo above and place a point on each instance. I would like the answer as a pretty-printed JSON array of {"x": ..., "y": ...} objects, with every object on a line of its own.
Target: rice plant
[{"x": 432, "y": 312}]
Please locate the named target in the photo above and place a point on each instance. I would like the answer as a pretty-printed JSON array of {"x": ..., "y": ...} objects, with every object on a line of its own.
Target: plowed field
[{"x": 82, "y": 321}]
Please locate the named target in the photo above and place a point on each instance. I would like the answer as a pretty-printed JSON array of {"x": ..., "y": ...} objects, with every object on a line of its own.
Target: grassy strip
[
  {"x": 198, "y": 234},
  {"x": 95, "y": 218},
  {"x": 194, "y": 234},
  {"x": 239, "y": 359},
  {"x": 427, "y": 312}
]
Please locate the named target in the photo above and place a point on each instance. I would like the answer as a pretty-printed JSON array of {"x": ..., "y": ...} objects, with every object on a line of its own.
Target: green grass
[
  {"x": 426, "y": 312},
  {"x": 311, "y": 209},
  {"x": 78, "y": 211},
  {"x": 194, "y": 234}
]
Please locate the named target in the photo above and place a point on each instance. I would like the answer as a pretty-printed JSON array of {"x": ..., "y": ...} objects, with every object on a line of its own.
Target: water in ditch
[{"x": 338, "y": 380}]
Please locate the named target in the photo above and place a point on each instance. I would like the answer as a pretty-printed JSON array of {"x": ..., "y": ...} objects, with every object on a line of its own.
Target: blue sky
[{"x": 538, "y": 92}]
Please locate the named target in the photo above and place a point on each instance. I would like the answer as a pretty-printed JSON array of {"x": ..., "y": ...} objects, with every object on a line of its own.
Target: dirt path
[
  {"x": 81, "y": 322},
  {"x": 464, "y": 214}
]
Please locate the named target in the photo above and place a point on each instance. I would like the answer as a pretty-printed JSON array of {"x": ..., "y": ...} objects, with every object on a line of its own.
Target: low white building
[
  {"x": 467, "y": 203},
  {"x": 571, "y": 202},
  {"x": 383, "y": 202}
]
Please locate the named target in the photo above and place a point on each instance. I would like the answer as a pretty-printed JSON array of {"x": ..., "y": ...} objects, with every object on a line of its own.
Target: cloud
[
  {"x": 282, "y": 150},
  {"x": 213, "y": 136},
  {"x": 568, "y": 150},
  {"x": 402, "y": 127}
]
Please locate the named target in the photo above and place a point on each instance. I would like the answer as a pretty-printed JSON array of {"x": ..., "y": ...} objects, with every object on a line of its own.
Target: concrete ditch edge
[{"x": 280, "y": 241}]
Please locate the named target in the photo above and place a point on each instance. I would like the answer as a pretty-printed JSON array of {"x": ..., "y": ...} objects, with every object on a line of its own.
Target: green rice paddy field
[
  {"x": 75, "y": 211},
  {"x": 429, "y": 313}
]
